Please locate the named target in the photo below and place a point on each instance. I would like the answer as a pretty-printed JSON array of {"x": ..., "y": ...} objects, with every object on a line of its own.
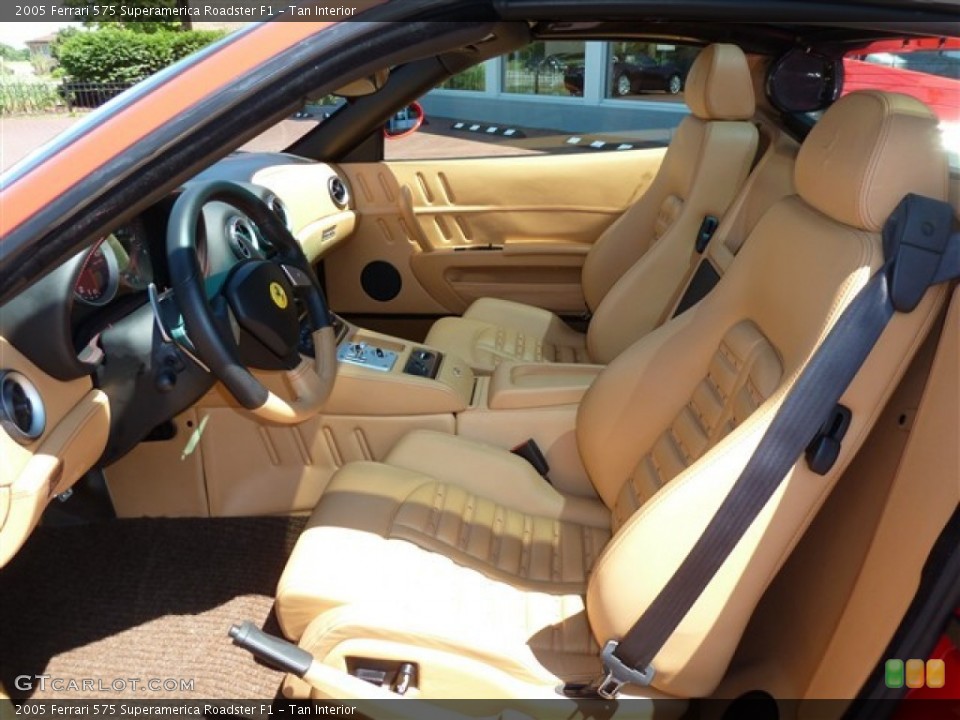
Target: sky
[{"x": 16, "y": 33}]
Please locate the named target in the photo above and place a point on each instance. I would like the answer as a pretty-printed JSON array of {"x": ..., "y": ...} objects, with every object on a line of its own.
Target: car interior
[{"x": 448, "y": 426}]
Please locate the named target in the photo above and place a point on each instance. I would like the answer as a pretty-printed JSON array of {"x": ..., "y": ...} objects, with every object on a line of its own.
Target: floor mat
[{"x": 146, "y": 599}]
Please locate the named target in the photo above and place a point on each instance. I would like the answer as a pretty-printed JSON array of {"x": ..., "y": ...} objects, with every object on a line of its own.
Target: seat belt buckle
[
  {"x": 616, "y": 673},
  {"x": 532, "y": 453},
  {"x": 824, "y": 449},
  {"x": 707, "y": 228}
]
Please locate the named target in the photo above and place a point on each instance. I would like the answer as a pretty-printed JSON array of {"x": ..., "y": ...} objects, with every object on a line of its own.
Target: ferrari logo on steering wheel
[{"x": 278, "y": 295}]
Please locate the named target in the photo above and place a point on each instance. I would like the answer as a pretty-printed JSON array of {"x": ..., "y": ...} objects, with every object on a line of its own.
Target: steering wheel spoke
[
  {"x": 297, "y": 277},
  {"x": 170, "y": 324}
]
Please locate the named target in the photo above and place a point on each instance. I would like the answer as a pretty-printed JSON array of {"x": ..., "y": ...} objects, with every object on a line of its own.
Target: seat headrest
[
  {"x": 870, "y": 149},
  {"x": 719, "y": 86}
]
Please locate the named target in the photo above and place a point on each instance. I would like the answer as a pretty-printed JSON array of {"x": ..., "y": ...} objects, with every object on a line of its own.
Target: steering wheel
[{"x": 256, "y": 297}]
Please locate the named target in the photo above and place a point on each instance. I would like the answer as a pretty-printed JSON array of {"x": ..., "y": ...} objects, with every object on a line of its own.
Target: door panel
[
  {"x": 457, "y": 278},
  {"x": 441, "y": 233}
]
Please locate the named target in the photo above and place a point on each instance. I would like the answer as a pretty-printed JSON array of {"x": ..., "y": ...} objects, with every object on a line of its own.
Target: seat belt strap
[{"x": 919, "y": 252}]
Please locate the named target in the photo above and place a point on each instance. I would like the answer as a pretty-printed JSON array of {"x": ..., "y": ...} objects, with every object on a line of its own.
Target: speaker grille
[{"x": 381, "y": 281}]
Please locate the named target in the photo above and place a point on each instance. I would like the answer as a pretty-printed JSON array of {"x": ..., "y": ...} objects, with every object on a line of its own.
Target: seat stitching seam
[
  {"x": 557, "y": 560},
  {"x": 467, "y": 527},
  {"x": 526, "y": 544},
  {"x": 404, "y": 501}
]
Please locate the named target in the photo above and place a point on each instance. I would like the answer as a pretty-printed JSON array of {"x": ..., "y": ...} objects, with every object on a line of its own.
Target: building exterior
[{"x": 41, "y": 45}]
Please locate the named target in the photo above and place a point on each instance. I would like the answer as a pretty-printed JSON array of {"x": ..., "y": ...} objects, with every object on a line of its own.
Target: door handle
[{"x": 409, "y": 217}]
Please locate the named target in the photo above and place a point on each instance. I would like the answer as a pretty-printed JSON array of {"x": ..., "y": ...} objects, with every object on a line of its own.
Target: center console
[
  {"x": 395, "y": 380},
  {"x": 383, "y": 375}
]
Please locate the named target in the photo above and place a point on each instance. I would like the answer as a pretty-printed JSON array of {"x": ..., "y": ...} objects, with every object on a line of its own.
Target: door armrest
[{"x": 545, "y": 247}]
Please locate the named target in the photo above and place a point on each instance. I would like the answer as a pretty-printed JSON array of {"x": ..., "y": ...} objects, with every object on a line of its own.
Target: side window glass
[{"x": 554, "y": 97}]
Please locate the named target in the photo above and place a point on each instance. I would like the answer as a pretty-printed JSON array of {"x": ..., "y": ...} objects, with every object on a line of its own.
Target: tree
[
  {"x": 106, "y": 17},
  {"x": 11, "y": 53},
  {"x": 121, "y": 56}
]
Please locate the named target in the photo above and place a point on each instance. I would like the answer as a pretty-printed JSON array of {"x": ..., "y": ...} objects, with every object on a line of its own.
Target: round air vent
[
  {"x": 243, "y": 237},
  {"x": 22, "y": 413},
  {"x": 338, "y": 192},
  {"x": 280, "y": 210}
]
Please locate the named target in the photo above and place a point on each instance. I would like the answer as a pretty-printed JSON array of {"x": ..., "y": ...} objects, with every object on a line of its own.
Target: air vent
[
  {"x": 338, "y": 192},
  {"x": 280, "y": 210},
  {"x": 242, "y": 236},
  {"x": 22, "y": 413}
]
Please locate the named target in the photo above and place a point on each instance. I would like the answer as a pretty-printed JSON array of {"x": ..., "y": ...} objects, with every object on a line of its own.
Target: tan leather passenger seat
[
  {"x": 705, "y": 166},
  {"x": 459, "y": 558}
]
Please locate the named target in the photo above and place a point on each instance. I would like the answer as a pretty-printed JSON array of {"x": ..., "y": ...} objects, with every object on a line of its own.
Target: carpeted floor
[{"x": 147, "y": 599}]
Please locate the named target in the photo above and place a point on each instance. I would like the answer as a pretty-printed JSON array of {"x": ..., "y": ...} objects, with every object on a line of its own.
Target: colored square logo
[
  {"x": 915, "y": 673},
  {"x": 893, "y": 674},
  {"x": 936, "y": 674}
]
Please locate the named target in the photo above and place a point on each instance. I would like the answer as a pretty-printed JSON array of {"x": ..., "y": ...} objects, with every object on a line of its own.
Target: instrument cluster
[{"x": 120, "y": 262}]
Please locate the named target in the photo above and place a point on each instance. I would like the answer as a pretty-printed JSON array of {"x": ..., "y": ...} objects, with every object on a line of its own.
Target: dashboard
[
  {"x": 97, "y": 311},
  {"x": 112, "y": 278},
  {"x": 94, "y": 362}
]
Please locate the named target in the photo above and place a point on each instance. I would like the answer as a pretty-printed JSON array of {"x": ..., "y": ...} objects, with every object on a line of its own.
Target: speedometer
[{"x": 99, "y": 276}]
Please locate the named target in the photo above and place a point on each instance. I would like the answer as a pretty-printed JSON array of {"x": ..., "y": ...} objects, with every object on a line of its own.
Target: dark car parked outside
[{"x": 633, "y": 75}]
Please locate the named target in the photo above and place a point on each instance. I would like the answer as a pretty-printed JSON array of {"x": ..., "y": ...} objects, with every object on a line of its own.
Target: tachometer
[{"x": 99, "y": 276}]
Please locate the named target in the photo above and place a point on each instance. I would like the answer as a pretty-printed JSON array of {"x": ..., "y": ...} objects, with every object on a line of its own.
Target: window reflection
[
  {"x": 648, "y": 69},
  {"x": 473, "y": 79},
  {"x": 545, "y": 68}
]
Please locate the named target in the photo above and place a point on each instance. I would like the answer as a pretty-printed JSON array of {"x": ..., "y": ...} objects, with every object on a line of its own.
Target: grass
[{"x": 19, "y": 98}]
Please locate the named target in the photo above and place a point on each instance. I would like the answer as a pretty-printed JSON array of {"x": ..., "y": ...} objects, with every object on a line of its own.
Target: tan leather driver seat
[
  {"x": 459, "y": 558},
  {"x": 705, "y": 166}
]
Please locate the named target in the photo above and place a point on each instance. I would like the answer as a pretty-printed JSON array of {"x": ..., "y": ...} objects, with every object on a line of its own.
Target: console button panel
[{"x": 369, "y": 356}]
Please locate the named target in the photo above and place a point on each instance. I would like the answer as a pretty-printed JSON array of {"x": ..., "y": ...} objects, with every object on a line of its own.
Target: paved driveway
[{"x": 19, "y": 136}]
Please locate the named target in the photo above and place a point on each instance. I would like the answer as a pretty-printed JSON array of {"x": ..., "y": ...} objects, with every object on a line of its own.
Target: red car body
[
  {"x": 947, "y": 651},
  {"x": 941, "y": 93}
]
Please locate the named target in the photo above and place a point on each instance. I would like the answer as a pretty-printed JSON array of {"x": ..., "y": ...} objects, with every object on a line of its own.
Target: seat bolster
[
  {"x": 527, "y": 319},
  {"x": 355, "y": 513},
  {"x": 494, "y": 330},
  {"x": 463, "y": 337},
  {"x": 534, "y": 324},
  {"x": 433, "y": 626},
  {"x": 495, "y": 474}
]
